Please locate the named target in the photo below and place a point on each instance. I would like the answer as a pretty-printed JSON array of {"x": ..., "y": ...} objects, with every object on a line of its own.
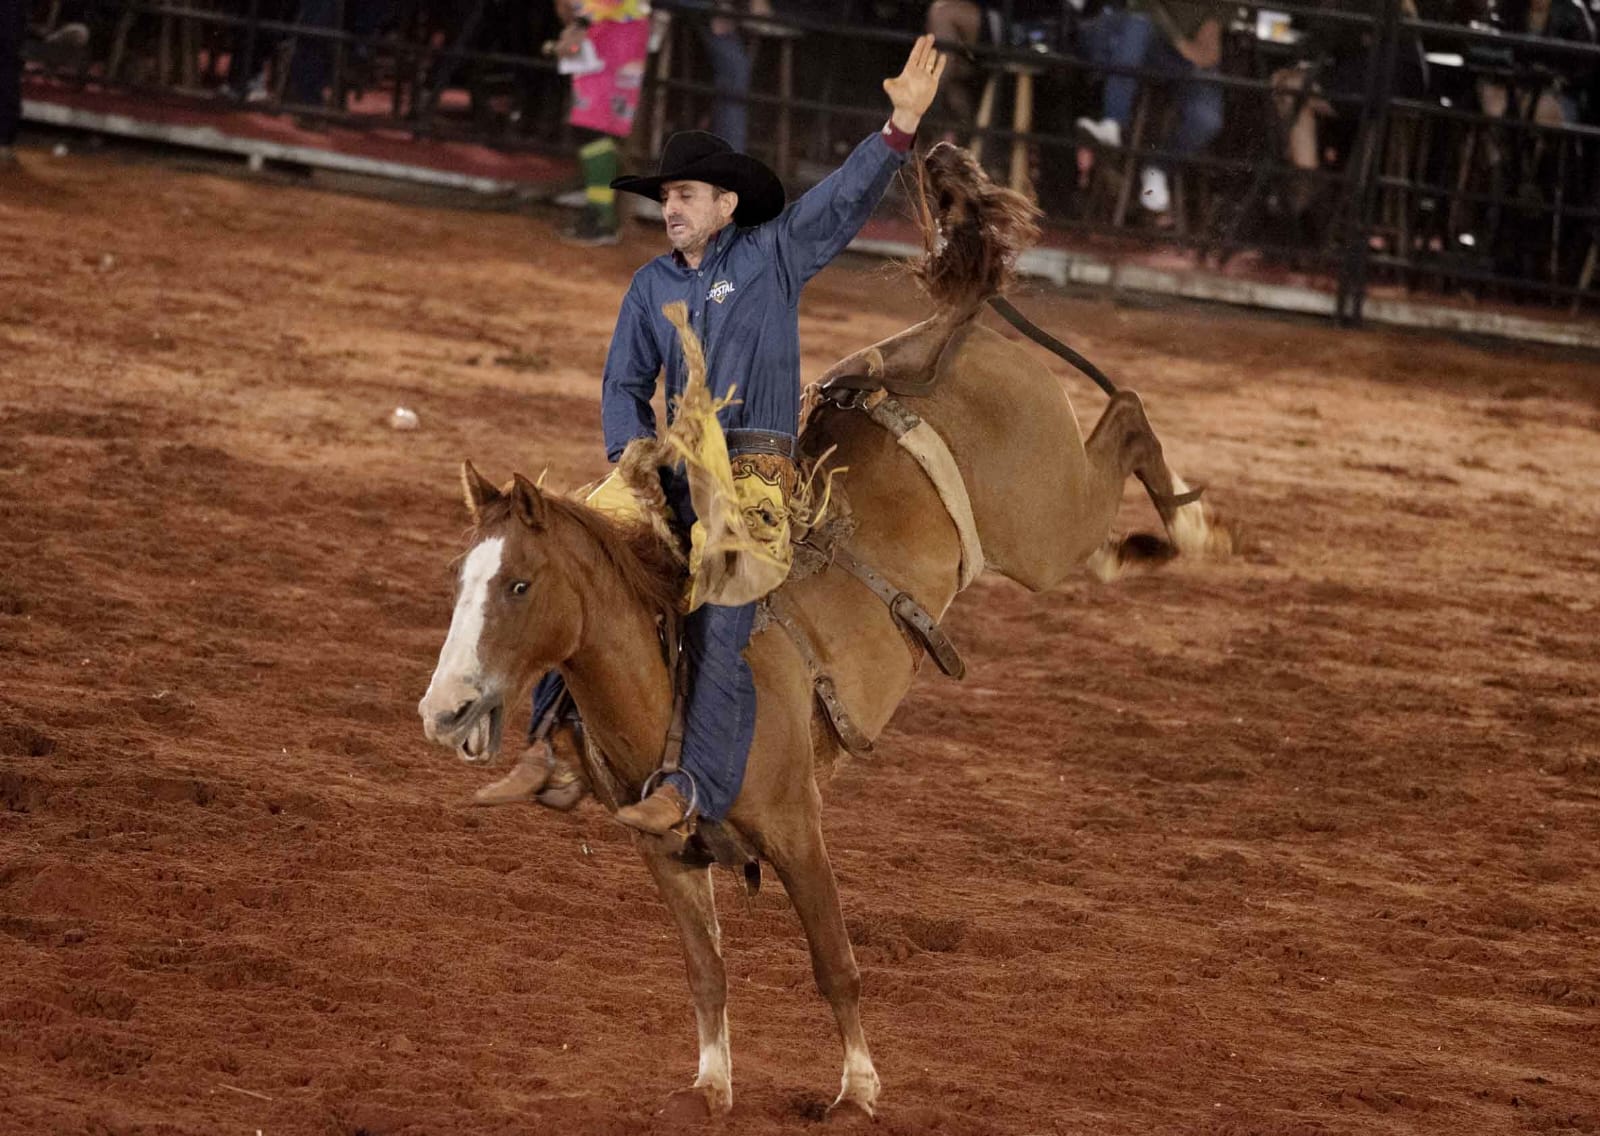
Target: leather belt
[{"x": 763, "y": 442}]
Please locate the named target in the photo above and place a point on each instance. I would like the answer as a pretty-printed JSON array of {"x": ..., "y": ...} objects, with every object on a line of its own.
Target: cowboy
[{"x": 739, "y": 260}]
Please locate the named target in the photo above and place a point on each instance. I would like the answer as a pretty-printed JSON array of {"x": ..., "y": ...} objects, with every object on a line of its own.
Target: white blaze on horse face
[{"x": 456, "y": 676}]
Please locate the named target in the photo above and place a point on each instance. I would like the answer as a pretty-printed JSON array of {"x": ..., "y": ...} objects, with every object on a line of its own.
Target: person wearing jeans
[
  {"x": 1176, "y": 40},
  {"x": 739, "y": 260},
  {"x": 730, "y": 75}
]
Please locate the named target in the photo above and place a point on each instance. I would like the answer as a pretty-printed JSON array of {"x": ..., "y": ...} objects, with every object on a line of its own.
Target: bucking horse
[{"x": 963, "y": 453}]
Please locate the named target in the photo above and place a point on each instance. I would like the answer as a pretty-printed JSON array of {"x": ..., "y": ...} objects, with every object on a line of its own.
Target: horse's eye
[{"x": 519, "y": 587}]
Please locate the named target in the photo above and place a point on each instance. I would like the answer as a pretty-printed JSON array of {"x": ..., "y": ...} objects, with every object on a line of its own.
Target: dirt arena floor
[{"x": 1305, "y": 842}]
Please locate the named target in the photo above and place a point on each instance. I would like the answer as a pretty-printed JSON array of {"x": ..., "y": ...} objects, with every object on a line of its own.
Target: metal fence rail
[{"x": 1432, "y": 193}]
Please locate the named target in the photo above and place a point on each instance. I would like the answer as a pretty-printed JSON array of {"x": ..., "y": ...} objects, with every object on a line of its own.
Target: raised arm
[
  {"x": 632, "y": 366},
  {"x": 825, "y": 219}
]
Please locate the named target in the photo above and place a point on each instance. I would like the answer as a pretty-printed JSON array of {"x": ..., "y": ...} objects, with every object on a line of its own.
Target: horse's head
[
  {"x": 973, "y": 230},
  {"x": 517, "y": 614}
]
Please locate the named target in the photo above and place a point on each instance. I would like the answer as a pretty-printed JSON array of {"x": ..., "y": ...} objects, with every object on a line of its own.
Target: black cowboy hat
[{"x": 694, "y": 155}]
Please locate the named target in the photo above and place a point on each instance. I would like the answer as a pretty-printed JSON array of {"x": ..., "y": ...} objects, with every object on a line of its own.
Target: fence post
[{"x": 1361, "y": 195}]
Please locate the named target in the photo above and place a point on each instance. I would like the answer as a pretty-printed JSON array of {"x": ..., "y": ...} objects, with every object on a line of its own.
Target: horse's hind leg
[
  {"x": 688, "y": 894},
  {"x": 802, "y": 864},
  {"x": 1124, "y": 444}
]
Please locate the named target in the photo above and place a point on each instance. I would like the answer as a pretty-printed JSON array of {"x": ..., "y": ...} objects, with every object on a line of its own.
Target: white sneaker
[
  {"x": 1153, "y": 194},
  {"x": 1106, "y": 131}
]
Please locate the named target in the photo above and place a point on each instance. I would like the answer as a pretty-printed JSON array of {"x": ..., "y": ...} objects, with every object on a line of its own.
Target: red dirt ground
[{"x": 1302, "y": 842}]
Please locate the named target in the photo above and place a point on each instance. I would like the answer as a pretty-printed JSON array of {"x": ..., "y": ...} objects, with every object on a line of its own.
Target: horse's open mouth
[{"x": 482, "y": 739}]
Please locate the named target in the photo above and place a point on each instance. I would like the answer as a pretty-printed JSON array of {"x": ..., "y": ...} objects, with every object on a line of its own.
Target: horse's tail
[{"x": 972, "y": 230}]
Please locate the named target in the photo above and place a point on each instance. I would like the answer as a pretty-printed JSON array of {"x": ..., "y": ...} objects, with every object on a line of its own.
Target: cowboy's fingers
[
  {"x": 938, "y": 71},
  {"x": 919, "y": 51}
]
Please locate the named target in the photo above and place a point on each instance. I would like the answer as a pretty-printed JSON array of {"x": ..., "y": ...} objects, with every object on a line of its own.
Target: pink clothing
[{"x": 607, "y": 100}]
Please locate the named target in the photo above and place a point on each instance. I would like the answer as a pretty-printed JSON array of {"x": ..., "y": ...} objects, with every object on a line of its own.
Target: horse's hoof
[
  {"x": 695, "y": 1105},
  {"x": 847, "y": 1113}
]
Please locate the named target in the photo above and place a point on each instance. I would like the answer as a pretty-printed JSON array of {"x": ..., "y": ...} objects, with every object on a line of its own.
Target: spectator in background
[
  {"x": 1320, "y": 131},
  {"x": 964, "y": 24},
  {"x": 1178, "y": 40},
  {"x": 1571, "y": 78},
  {"x": 603, "y": 47},
  {"x": 725, "y": 46},
  {"x": 958, "y": 23},
  {"x": 13, "y": 26},
  {"x": 311, "y": 65}
]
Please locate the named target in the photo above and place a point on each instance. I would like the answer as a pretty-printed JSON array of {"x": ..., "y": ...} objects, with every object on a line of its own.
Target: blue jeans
[
  {"x": 720, "y": 715},
  {"x": 1126, "y": 39},
  {"x": 730, "y": 75}
]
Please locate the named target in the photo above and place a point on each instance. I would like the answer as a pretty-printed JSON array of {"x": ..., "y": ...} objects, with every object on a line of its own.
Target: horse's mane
[
  {"x": 651, "y": 570},
  {"x": 972, "y": 230}
]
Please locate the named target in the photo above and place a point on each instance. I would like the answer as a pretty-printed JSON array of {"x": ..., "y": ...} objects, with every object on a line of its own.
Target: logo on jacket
[{"x": 720, "y": 291}]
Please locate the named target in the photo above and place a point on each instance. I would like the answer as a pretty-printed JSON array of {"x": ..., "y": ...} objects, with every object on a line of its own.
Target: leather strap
[
  {"x": 907, "y": 612},
  {"x": 672, "y": 748},
  {"x": 838, "y": 715},
  {"x": 919, "y": 439},
  {"x": 546, "y": 725},
  {"x": 677, "y": 663}
]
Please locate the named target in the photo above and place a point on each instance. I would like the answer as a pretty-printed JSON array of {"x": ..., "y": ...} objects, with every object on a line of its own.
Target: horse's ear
[
  {"x": 527, "y": 502},
  {"x": 478, "y": 490}
]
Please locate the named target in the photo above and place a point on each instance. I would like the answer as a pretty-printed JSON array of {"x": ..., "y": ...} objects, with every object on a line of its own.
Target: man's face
[{"x": 694, "y": 211}]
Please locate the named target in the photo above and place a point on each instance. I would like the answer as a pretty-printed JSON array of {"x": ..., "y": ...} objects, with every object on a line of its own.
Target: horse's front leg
[
  {"x": 689, "y": 896},
  {"x": 801, "y": 860}
]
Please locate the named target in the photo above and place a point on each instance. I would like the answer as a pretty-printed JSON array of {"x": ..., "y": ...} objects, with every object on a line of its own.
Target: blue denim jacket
[{"x": 744, "y": 303}]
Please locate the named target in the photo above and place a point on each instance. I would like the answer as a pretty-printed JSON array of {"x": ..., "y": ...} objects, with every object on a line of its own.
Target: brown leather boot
[
  {"x": 659, "y": 813},
  {"x": 548, "y": 773},
  {"x": 527, "y": 777}
]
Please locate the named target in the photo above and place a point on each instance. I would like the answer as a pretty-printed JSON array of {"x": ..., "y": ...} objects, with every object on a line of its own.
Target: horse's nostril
[{"x": 461, "y": 711}]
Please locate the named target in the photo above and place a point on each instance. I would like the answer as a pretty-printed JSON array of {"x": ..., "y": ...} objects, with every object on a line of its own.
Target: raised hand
[{"x": 913, "y": 89}]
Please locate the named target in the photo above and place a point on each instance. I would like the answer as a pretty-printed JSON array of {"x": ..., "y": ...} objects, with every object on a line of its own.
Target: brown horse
[{"x": 549, "y": 583}]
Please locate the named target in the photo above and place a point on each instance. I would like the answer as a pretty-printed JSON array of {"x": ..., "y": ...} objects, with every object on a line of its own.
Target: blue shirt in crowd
[{"x": 744, "y": 303}]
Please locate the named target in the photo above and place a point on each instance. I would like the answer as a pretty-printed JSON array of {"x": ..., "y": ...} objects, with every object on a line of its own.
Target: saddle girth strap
[
  {"x": 919, "y": 439},
  {"x": 838, "y": 715},
  {"x": 678, "y": 662},
  {"x": 911, "y": 616}
]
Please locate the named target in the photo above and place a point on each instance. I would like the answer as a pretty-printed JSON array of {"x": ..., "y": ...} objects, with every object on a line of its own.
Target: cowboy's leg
[
  {"x": 545, "y": 692},
  {"x": 540, "y": 774},
  {"x": 720, "y": 715}
]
